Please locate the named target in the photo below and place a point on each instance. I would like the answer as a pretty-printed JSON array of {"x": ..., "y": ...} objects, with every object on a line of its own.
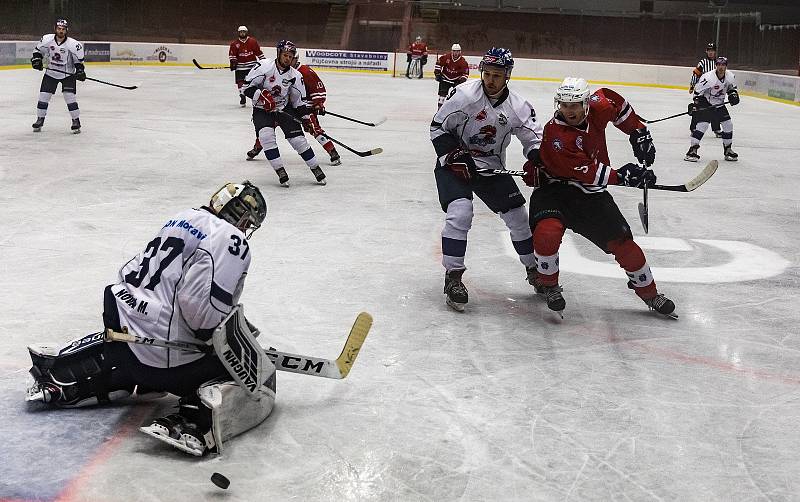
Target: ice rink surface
[{"x": 503, "y": 402}]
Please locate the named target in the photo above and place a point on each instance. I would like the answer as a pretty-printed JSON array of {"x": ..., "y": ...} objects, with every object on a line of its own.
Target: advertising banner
[
  {"x": 97, "y": 52},
  {"x": 8, "y": 53},
  {"x": 350, "y": 60}
]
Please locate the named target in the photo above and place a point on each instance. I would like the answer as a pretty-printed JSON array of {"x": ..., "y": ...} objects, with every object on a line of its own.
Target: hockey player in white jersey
[
  {"x": 64, "y": 65},
  {"x": 471, "y": 132},
  {"x": 273, "y": 86},
  {"x": 180, "y": 287},
  {"x": 710, "y": 93}
]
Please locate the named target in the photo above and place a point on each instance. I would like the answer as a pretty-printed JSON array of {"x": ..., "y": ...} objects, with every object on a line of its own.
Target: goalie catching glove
[{"x": 461, "y": 163}]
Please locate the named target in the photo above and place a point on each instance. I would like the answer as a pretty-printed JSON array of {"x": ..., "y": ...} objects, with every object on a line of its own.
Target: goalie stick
[
  {"x": 128, "y": 87},
  {"x": 284, "y": 361},
  {"x": 690, "y": 185},
  {"x": 374, "y": 151},
  {"x": 209, "y": 67}
]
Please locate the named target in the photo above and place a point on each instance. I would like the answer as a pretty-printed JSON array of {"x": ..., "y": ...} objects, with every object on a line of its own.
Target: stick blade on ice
[{"x": 355, "y": 340}]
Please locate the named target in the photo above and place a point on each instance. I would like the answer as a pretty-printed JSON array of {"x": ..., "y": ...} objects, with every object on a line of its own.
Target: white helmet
[
  {"x": 242, "y": 28},
  {"x": 455, "y": 47},
  {"x": 241, "y": 205},
  {"x": 573, "y": 90}
]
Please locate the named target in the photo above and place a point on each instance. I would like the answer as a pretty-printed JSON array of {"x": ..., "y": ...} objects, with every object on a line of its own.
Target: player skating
[
  {"x": 179, "y": 288},
  {"x": 709, "y": 95},
  {"x": 274, "y": 85},
  {"x": 243, "y": 54},
  {"x": 473, "y": 129},
  {"x": 450, "y": 70},
  {"x": 572, "y": 192},
  {"x": 315, "y": 99},
  {"x": 64, "y": 65}
]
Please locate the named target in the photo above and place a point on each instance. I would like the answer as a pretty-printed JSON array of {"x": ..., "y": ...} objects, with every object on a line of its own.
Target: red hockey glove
[
  {"x": 308, "y": 125},
  {"x": 265, "y": 100},
  {"x": 460, "y": 161},
  {"x": 531, "y": 176}
]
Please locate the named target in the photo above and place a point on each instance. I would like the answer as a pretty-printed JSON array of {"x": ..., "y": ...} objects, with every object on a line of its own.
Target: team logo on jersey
[
  {"x": 481, "y": 115},
  {"x": 289, "y": 81},
  {"x": 272, "y": 79},
  {"x": 486, "y": 136},
  {"x": 557, "y": 146},
  {"x": 502, "y": 119},
  {"x": 594, "y": 97},
  {"x": 579, "y": 142}
]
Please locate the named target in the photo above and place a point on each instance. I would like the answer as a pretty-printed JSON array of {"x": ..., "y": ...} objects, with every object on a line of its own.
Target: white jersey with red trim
[
  {"x": 714, "y": 89},
  {"x": 60, "y": 56},
  {"x": 287, "y": 86},
  {"x": 188, "y": 278},
  {"x": 484, "y": 127}
]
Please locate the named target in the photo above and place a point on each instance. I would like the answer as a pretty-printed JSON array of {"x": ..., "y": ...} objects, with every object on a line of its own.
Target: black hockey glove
[
  {"x": 233, "y": 65},
  {"x": 408, "y": 58},
  {"x": 634, "y": 175},
  {"x": 80, "y": 72},
  {"x": 643, "y": 148},
  {"x": 36, "y": 61},
  {"x": 424, "y": 60},
  {"x": 733, "y": 97},
  {"x": 462, "y": 164},
  {"x": 438, "y": 77}
]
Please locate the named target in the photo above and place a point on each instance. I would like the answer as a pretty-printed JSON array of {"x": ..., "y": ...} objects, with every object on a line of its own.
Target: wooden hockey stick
[
  {"x": 209, "y": 67},
  {"x": 128, "y": 87},
  {"x": 371, "y": 124},
  {"x": 690, "y": 185},
  {"x": 682, "y": 114},
  {"x": 314, "y": 366},
  {"x": 374, "y": 151}
]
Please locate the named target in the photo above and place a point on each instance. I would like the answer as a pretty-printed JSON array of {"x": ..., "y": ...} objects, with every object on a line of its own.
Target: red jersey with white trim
[
  {"x": 315, "y": 89},
  {"x": 418, "y": 49},
  {"x": 245, "y": 53},
  {"x": 452, "y": 70},
  {"x": 579, "y": 154}
]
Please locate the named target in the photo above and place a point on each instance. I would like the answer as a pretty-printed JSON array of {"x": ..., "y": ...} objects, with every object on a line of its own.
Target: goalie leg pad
[{"x": 233, "y": 410}]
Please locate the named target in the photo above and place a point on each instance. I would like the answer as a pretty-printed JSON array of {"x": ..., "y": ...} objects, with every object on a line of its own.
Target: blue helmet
[
  {"x": 286, "y": 46},
  {"x": 498, "y": 57}
]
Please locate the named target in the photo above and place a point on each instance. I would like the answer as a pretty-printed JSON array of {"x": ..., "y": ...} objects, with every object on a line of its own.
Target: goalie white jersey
[
  {"x": 182, "y": 284},
  {"x": 287, "y": 87},
  {"x": 61, "y": 56},
  {"x": 714, "y": 89},
  {"x": 469, "y": 116}
]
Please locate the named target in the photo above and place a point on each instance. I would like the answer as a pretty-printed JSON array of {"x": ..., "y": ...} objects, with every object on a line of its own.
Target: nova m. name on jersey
[{"x": 188, "y": 227}]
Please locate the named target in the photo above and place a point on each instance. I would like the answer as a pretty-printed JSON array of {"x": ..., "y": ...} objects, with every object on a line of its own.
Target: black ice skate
[
  {"x": 662, "y": 305},
  {"x": 692, "y": 155},
  {"x": 283, "y": 178},
  {"x": 37, "y": 126},
  {"x": 242, "y": 100},
  {"x": 552, "y": 294},
  {"x": 254, "y": 152},
  {"x": 76, "y": 126},
  {"x": 730, "y": 155},
  {"x": 335, "y": 158},
  {"x": 177, "y": 431},
  {"x": 319, "y": 175},
  {"x": 457, "y": 295}
]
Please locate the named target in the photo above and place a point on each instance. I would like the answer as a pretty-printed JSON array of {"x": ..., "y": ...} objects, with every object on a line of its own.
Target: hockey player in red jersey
[
  {"x": 417, "y": 51},
  {"x": 572, "y": 179},
  {"x": 450, "y": 70},
  {"x": 243, "y": 54}
]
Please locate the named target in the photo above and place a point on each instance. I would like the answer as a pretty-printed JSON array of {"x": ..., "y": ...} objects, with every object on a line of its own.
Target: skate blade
[
  {"x": 336, "y": 162},
  {"x": 731, "y": 160},
  {"x": 35, "y": 394},
  {"x": 322, "y": 182},
  {"x": 458, "y": 307},
  {"x": 37, "y": 129},
  {"x": 156, "y": 433},
  {"x": 76, "y": 131},
  {"x": 672, "y": 315},
  {"x": 690, "y": 159},
  {"x": 285, "y": 184}
]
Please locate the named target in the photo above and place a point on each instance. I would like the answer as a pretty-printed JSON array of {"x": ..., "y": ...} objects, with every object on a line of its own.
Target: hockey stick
[
  {"x": 371, "y": 124},
  {"x": 327, "y": 368},
  {"x": 643, "y": 215},
  {"x": 374, "y": 151},
  {"x": 684, "y": 113},
  {"x": 690, "y": 185},
  {"x": 209, "y": 67},
  {"x": 128, "y": 87}
]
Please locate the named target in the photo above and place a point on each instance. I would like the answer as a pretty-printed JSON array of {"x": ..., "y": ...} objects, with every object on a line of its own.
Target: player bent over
[
  {"x": 572, "y": 193},
  {"x": 709, "y": 96},
  {"x": 243, "y": 54},
  {"x": 273, "y": 86},
  {"x": 178, "y": 288},
  {"x": 65, "y": 66},
  {"x": 450, "y": 70},
  {"x": 315, "y": 94},
  {"x": 473, "y": 128}
]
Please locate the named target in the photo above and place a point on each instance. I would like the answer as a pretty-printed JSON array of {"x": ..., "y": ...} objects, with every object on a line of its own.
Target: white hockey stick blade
[{"x": 704, "y": 175}]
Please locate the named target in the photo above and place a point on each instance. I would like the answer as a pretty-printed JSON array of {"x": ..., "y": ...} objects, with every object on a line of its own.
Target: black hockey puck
[{"x": 220, "y": 480}]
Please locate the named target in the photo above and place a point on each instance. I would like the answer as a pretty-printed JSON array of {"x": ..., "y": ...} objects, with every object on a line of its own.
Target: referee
[{"x": 705, "y": 65}]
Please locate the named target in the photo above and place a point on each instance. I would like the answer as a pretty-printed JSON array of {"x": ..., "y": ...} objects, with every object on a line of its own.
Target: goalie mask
[{"x": 241, "y": 205}]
